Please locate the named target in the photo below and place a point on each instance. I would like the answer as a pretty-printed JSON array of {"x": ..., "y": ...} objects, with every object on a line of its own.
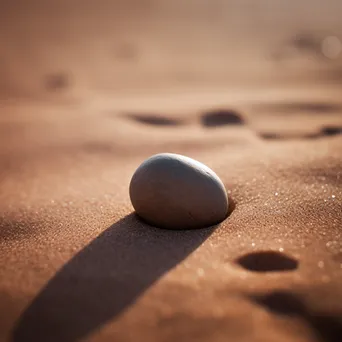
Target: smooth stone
[{"x": 176, "y": 192}]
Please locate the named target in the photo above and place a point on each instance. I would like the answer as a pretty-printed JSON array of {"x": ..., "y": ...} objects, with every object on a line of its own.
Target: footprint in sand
[
  {"x": 331, "y": 130},
  {"x": 267, "y": 261},
  {"x": 212, "y": 118},
  {"x": 295, "y": 108},
  {"x": 226, "y": 117},
  {"x": 221, "y": 117},
  {"x": 154, "y": 120},
  {"x": 283, "y": 303}
]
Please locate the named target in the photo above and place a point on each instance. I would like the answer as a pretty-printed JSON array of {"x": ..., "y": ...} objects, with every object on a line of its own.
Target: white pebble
[{"x": 176, "y": 192}]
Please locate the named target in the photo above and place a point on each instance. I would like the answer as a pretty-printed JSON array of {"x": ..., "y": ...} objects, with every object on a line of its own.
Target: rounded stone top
[{"x": 177, "y": 192}]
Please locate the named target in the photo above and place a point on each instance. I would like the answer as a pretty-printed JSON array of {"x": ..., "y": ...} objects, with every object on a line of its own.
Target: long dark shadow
[{"x": 104, "y": 279}]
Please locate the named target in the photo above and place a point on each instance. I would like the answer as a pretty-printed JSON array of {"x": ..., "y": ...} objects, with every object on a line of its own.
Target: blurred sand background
[
  {"x": 119, "y": 45},
  {"x": 89, "y": 89}
]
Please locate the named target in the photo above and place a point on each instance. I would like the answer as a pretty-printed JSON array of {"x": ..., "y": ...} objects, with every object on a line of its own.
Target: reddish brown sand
[{"x": 76, "y": 264}]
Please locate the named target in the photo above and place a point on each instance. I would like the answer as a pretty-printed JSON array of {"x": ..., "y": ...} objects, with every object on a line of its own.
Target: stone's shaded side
[{"x": 176, "y": 192}]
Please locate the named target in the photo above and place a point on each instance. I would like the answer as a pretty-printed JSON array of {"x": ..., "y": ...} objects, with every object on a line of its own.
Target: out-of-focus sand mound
[{"x": 89, "y": 90}]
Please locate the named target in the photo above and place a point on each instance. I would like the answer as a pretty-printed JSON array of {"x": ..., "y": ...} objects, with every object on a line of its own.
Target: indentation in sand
[
  {"x": 221, "y": 117},
  {"x": 324, "y": 132},
  {"x": 331, "y": 130},
  {"x": 267, "y": 261},
  {"x": 154, "y": 120}
]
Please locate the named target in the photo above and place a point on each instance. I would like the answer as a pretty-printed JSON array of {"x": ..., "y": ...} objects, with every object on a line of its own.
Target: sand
[{"x": 77, "y": 264}]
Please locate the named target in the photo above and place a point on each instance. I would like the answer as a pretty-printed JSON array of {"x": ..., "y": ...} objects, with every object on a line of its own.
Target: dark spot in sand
[
  {"x": 331, "y": 130},
  {"x": 302, "y": 43},
  {"x": 56, "y": 81},
  {"x": 154, "y": 120},
  {"x": 306, "y": 41},
  {"x": 221, "y": 117},
  {"x": 324, "y": 132},
  {"x": 267, "y": 261},
  {"x": 325, "y": 327}
]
